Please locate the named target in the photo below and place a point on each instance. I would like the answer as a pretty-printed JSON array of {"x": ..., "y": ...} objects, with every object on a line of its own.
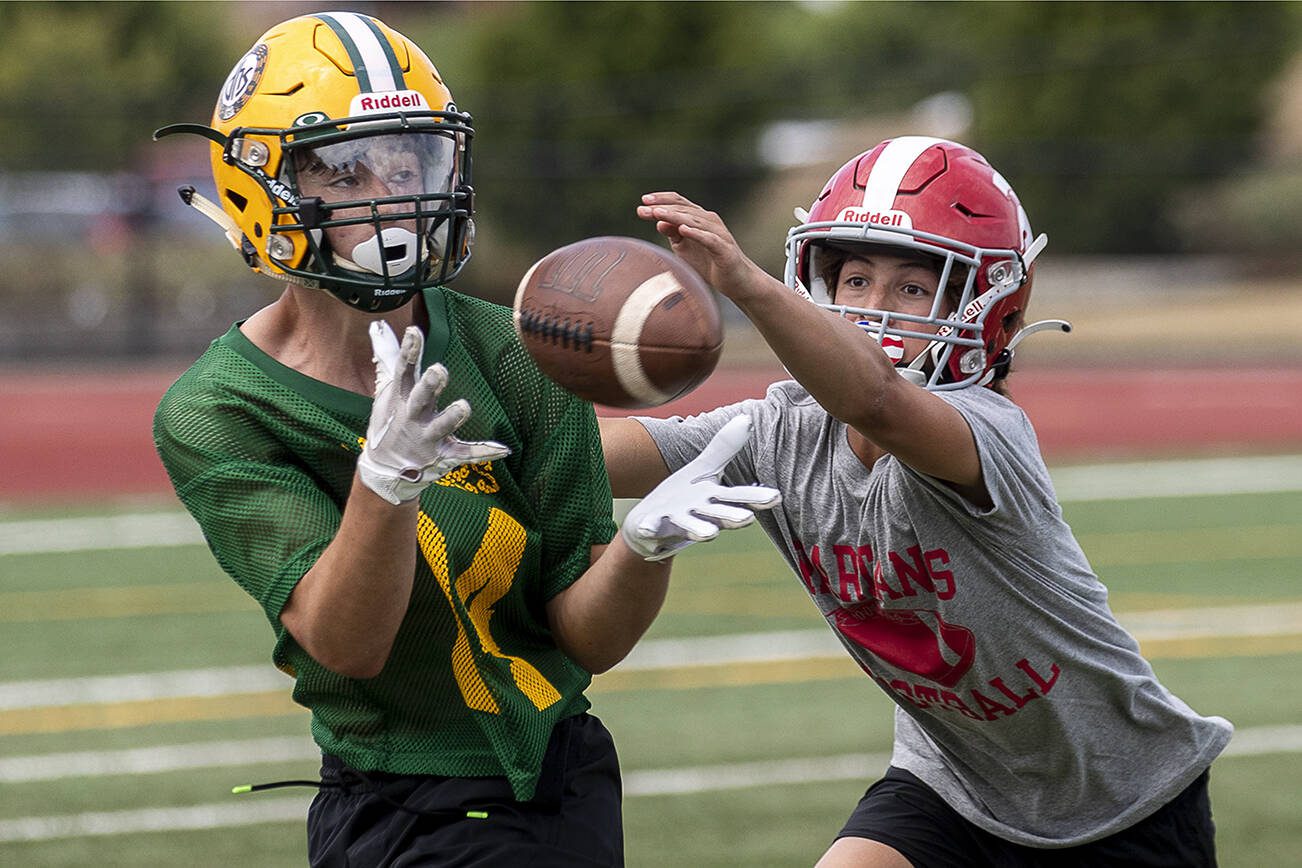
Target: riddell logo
[
  {"x": 875, "y": 218},
  {"x": 398, "y": 100}
]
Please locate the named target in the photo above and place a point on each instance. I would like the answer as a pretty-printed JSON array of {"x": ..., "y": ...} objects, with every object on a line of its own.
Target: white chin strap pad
[{"x": 395, "y": 247}]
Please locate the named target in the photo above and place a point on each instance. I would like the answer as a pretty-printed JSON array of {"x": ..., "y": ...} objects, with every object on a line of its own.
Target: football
[{"x": 619, "y": 321}]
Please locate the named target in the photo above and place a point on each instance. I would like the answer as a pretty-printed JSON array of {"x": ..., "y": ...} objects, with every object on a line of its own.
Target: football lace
[{"x": 556, "y": 330}]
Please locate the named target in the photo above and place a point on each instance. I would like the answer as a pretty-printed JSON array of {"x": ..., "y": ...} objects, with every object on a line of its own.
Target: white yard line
[
  {"x": 127, "y": 531},
  {"x": 1201, "y": 476},
  {"x": 1117, "y": 481},
  {"x": 140, "y": 686},
  {"x": 156, "y": 760},
  {"x": 1274, "y": 619},
  {"x": 253, "y": 809}
]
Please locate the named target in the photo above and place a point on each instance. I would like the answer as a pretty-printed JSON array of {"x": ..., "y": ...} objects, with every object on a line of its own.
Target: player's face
[
  {"x": 899, "y": 284},
  {"x": 379, "y": 167}
]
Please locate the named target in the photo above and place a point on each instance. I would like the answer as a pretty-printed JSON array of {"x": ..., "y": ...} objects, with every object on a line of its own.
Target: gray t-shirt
[{"x": 1019, "y": 698}]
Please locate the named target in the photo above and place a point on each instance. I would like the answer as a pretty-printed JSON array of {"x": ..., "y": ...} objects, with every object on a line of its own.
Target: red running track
[{"x": 66, "y": 435}]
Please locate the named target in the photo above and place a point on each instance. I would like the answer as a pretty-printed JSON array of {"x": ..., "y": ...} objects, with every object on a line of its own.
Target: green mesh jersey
[{"x": 263, "y": 457}]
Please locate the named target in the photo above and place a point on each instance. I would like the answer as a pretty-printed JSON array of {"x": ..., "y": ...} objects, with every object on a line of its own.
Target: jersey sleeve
[
  {"x": 1011, "y": 467},
  {"x": 680, "y": 439},
  {"x": 265, "y": 518}
]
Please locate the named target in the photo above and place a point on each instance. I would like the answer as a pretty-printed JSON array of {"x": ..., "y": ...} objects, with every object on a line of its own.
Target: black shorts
[
  {"x": 574, "y": 818},
  {"x": 903, "y": 812}
]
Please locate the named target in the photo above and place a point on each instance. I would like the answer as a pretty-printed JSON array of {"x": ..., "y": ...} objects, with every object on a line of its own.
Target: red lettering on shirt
[
  {"x": 1019, "y": 701},
  {"x": 811, "y": 569},
  {"x": 847, "y": 570},
  {"x": 991, "y": 708},
  {"x": 944, "y": 579},
  {"x": 1040, "y": 682}
]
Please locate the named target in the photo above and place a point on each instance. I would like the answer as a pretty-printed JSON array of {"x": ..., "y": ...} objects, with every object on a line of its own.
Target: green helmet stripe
[{"x": 374, "y": 62}]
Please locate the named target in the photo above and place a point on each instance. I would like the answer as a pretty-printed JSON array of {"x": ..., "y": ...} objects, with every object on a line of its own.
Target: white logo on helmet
[
  {"x": 242, "y": 82},
  {"x": 391, "y": 101},
  {"x": 895, "y": 219}
]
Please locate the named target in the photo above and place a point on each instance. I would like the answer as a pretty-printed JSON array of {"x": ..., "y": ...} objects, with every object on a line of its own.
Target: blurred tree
[
  {"x": 582, "y": 107},
  {"x": 84, "y": 84},
  {"x": 1101, "y": 113}
]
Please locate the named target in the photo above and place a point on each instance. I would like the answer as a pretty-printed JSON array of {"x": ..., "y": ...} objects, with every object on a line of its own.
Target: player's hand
[
  {"x": 692, "y": 505},
  {"x": 701, "y": 239},
  {"x": 409, "y": 441}
]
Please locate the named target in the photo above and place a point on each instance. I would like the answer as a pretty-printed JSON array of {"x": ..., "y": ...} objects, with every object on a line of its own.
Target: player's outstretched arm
[
  {"x": 911, "y": 423},
  {"x": 599, "y": 618}
]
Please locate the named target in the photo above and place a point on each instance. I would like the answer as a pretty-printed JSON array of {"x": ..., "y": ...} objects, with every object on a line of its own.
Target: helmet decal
[
  {"x": 242, "y": 82},
  {"x": 888, "y": 172},
  {"x": 852, "y": 214},
  {"x": 374, "y": 63},
  {"x": 402, "y": 100},
  {"x": 309, "y": 118}
]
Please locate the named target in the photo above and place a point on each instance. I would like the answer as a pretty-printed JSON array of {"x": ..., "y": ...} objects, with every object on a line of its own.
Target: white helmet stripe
[
  {"x": 888, "y": 172},
  {"x": 372, "y": 56}
]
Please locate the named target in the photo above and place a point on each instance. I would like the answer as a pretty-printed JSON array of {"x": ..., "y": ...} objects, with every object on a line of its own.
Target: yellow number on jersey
[{"x": 484, "y": 582}]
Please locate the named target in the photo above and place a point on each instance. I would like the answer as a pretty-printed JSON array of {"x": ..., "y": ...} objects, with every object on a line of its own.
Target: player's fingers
[
  {"x": 413, "y": 346},
  {"x": 724, "y": 515},
  {"x": 474, "y": 451},
  {"x": 753, "y": 496},
  {"x": 712, "y": 241},
  {"x": 696, "y": 529},
  {"x": 669, "y": 230},
  {"x": 681, "y": 525},
  {"x": 722, "y": 448},
  {"x": 384, "y": 349},
  {"x": 425, "y": 394},
  {"x": 689, "y": 215},
  {"x": 666, "y": 197},
  {"x": 447, "y": 420}
]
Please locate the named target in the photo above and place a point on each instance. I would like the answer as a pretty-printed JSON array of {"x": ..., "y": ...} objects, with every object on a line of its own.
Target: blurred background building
[{"x": 1158, "y": 144}]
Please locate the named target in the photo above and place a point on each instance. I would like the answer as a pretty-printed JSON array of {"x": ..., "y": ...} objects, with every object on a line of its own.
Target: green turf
[{"x": 145, "y": 610}]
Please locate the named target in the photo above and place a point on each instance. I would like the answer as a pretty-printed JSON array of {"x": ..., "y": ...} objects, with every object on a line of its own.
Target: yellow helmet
[{"x": 341, "y": 162}]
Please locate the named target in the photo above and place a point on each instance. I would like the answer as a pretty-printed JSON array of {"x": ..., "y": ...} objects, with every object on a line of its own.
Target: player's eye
[
  {"x": 402, "y": 178},
  {"x": 343, "y": 181}
]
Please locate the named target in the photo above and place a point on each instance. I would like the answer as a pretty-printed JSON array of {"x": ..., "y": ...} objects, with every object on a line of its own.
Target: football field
[{"x": 136, "y": 688}]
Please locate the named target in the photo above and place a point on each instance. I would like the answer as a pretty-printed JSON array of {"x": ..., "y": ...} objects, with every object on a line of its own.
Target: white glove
[
  {"x": 692, "y": 506},
  {"x": 409, "y": 441}
]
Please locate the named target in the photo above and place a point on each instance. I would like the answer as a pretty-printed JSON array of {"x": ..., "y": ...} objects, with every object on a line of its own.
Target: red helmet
[{"x": 944, "y": 200}]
